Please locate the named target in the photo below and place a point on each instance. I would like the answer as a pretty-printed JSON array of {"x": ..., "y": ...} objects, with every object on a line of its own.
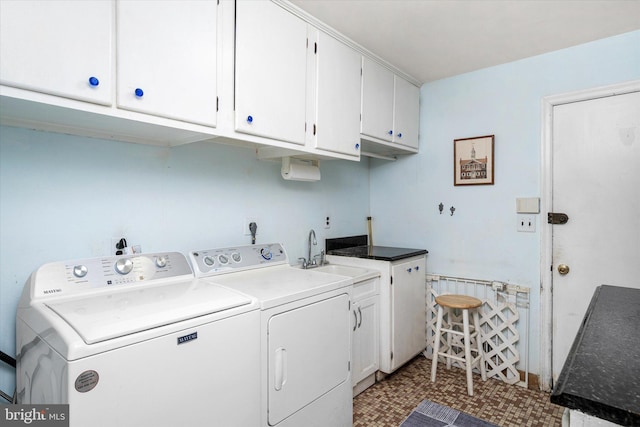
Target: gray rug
[{"x": 430, "y": 414}]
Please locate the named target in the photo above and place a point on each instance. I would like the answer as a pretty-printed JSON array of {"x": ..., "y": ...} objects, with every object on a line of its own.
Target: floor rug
[{"x": 430, "y": 414}]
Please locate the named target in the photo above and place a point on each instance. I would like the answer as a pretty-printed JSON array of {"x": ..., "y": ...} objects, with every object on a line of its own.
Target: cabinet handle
[
  {"x": 390, "y": 132},
  {"x": 355, "y": 324},
  {"x": 249, "y": 119},
  {"x": 93, "y": 81},
  {"x": 409, "y": 270},
  {"x": 400, "y": 135},
  {"x": 360, "y": 313},
  {"x": 357, "y": 146},
  {"x": 417, "y": 267},
  {"x": 139, "y": 92}
]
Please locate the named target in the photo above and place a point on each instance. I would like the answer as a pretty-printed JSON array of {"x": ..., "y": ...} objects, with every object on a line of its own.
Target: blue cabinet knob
[
  {"x": 409, "y": 270},
  {"x": 400, "y": 135},
  {"x": 417, "y": 267},
  {"x": 390, "y": 132},
  {"x": 93, "y": 81},
  {"x": 139, "y": 92},
  {"x": 249, "y": 119},
  {"x": 357, "y": 146}
]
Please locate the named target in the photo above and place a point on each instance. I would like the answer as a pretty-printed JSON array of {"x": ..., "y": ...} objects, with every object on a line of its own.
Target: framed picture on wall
[{"x": 473, "y": 161}]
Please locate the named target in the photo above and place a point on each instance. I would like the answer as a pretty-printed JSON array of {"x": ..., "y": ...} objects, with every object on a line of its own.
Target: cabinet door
[
  {"x": 365, "y": 339},
  {"x": 406, "y": 113},
  {"x": 167, "y": 59},
  {"x": 377, "y": 101},
  {"x": 409, "y": 311},
  {"x": 271, "y": 52},
  {"x": 336, "y": 122},
  {"x": 57, "y": 47}
]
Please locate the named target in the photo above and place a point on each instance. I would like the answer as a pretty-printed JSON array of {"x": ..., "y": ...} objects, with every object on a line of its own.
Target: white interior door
[{"x": 596, "y": 159}]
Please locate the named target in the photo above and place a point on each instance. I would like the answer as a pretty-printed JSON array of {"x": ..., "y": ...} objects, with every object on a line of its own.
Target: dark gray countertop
[{"x": 601, "y": 376}]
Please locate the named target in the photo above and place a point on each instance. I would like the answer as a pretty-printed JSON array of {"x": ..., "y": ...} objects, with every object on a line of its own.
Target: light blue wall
[
  {"x": 64, "y": 197},
  {"x": 480, "y": 239}
]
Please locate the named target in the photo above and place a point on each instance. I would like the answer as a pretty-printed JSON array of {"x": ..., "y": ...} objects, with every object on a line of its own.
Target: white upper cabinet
[
  {"x": 335, "y": 114},
  {"x": 166, "y": 57},
  {"x": 390, "y": 106},
  {"x": 62, "y": 48},
  {"x": 377, "y": 101},
  {"x": 271, "y": 62},
  {"x": 406, "y": 113}
]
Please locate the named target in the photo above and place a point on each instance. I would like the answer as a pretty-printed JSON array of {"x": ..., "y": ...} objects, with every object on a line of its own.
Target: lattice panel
[{"x": 500, "y": 336}]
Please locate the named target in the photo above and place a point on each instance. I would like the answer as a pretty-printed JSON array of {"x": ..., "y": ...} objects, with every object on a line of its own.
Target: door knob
[{"x": 563, "y": 269}]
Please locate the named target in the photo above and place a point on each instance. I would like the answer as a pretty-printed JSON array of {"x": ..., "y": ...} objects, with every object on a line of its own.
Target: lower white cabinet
[{"x": 366, "y": 333}]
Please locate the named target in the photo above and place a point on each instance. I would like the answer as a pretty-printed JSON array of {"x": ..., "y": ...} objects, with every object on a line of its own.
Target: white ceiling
[{"x": 434, "y": 39}]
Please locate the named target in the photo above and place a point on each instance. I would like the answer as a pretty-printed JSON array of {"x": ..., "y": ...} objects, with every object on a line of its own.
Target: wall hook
[
  {"x": 440, "y": 208},
  {"x": 452, "y": 209}
]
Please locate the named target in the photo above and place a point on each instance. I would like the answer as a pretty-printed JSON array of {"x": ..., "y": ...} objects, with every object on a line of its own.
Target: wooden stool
[{"x": 464, "y": 303}]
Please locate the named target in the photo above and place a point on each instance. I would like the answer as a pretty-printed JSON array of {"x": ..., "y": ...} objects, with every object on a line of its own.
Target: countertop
[{"x": 601, "y": 376}]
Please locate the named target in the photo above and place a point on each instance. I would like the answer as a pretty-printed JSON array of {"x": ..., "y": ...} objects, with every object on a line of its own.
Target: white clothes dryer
[
  {"x": 305, "y": 333},
  {"x": 138, "y": 341}
]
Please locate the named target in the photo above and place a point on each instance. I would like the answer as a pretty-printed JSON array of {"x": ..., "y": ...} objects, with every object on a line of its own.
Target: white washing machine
[
  {"x": 138, "y": 341},
  {"x": 305, "y": 333}
]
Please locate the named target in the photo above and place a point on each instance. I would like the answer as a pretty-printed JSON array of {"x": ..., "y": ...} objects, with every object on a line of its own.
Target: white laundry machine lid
[{"x": 110, "y": 315}]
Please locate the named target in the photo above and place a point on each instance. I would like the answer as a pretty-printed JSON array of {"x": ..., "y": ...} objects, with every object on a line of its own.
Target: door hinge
[
  {"x": 349, "y": 306},
  {"x": 557, "y": 218},
  {"x": 391, "y": 280},
  {"x": 315, "y": 48},
  {"x": 314, "y": 128},
  {"x": 349, "y": 366},
  {"x": 392, "y": 355},
  {"x": 217, "y": 104}
]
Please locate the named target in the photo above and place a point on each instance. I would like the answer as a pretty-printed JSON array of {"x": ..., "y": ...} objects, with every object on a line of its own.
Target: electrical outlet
[
  {"x": 245, "y": 227},
  {"x": 327, "y": 221},
  {"x": 527, "y": 223}
]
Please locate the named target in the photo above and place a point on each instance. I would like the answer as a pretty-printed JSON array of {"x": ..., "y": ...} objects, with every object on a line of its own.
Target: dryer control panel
[
  {"x": 90, "y": 275},
  {"x": 226, "y": 260}
]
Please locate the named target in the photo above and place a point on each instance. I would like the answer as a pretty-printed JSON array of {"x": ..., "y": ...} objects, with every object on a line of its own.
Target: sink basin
[{"x": 357, "y": 273}]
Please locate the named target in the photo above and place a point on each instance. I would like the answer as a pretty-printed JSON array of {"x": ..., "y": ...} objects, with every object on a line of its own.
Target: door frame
[{"x": 546, "y": 193}]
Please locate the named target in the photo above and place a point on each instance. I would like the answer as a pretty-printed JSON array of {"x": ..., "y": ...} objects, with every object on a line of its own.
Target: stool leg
[
  {"x": 447, "y": 336},
  {"x": 436, "y": 345},
  {"x": 479, "y": 339},
  {"x": 467, "y": 350}
]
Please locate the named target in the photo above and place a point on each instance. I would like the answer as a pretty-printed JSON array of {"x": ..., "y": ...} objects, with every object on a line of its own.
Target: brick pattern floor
[{"x": 389, "y": 402}]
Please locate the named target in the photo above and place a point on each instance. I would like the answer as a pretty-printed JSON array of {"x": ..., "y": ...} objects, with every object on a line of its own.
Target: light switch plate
[{"x": 527, "y": 223}]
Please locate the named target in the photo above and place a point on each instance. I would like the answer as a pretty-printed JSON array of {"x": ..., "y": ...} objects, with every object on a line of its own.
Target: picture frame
[{"x": 473, "y": 160}]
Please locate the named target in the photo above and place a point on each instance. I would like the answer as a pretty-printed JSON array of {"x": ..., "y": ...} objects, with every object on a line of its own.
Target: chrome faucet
[
  {"x": 312, "y": 235},
  {"x": 311, "y": 262}
]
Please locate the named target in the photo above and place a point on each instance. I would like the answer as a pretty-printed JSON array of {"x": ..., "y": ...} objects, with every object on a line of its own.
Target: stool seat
[
  {"x": 465, "y": 303},
  {"x": 458, "y": 301}
]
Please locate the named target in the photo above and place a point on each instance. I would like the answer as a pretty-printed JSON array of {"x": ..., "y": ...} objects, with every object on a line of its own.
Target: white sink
[{"x": 357, "y": 273}]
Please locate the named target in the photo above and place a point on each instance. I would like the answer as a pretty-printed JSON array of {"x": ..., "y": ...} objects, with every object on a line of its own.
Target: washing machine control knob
[
  {"x": 266, "y": 253},
  {"x": 223, "y": 259},
  {"x": 80, "y": 270},
  {"x": 124, "y": 266},
  {"x": 209, "y": 260},
  {"x": 161, "y": 261},
  {"x": 236, "y": 256}
]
